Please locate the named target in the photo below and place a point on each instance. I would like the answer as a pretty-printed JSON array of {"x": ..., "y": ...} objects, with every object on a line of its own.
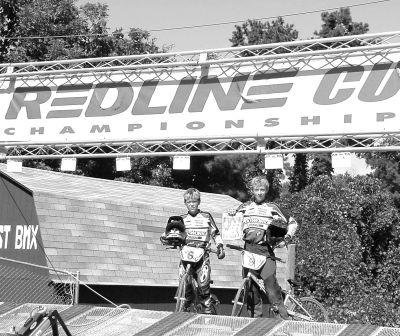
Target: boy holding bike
[
  {"x": 199, "y": 228},
  {"x": 259, "y": 219}
]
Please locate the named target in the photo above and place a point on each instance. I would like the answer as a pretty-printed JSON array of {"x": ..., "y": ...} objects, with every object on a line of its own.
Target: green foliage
[
  {"x": 8, "y": 22},
  {"x": 153, "y": 171},
  {"x": 340, "y": 23},
  {"x": 45, "y": 18},
  {"x": 299, "y": 176},
  {"x": 256, "y": 32},
  {"x": 65, "y": 32},
  {"x": 228, "y": 174},
  {"x": 321, "y": 165},
  {"x": 386, "y": 166},
  {"x": 347, "y": 247}
]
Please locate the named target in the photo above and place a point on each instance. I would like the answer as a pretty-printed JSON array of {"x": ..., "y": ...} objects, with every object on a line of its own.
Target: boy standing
[
  {"x": 200, "y": 228},
  {"x": 258, "y": 218}
]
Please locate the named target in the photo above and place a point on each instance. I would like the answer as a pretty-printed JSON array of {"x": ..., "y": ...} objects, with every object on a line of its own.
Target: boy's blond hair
[
  {"x": 259, "y": 181},
  {"x": 191, "y": 193}
]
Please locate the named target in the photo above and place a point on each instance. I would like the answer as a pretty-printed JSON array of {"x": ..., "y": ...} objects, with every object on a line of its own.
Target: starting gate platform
[{"x": 90, "y": 320}]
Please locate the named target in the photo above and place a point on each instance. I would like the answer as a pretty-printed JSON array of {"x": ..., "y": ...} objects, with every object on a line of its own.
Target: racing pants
[
  {"x": 274, "y": 291},
  {"x": 201, "y": 274}
]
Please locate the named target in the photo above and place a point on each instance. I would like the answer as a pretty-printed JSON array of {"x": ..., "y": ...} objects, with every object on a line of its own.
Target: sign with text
[
  {"x": 20, "y": 237},
  {"x": 242, "y": 102},
  {"x": 273, "y": 161},
  {"x": 181, "y": 162},
  {"x": 341, "y": 160},
  {"x": 232, "y": 227}
]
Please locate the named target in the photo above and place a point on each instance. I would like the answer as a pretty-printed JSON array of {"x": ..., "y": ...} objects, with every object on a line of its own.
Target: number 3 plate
[{"x": 252, "y": 260}]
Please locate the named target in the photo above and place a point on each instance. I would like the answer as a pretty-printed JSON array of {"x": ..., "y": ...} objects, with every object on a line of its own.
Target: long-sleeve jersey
[
  {"x": 256, "y": 220},
  {"x": 200, "y": 229}
]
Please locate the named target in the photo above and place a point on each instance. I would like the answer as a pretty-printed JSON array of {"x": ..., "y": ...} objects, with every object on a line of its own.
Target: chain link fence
[{"x": 22, "y": 282}]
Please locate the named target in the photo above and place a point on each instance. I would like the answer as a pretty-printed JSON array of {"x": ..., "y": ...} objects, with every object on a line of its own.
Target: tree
[
  {"x": 386, "y": 167},
  {"x": 228, "y": 174},
  {"x": 299, "y": 177},
  {"x": 8, "y": 22},
  {"x": 321, "y": 165},
  {"x": 147, "y": 170},
  {"x": 38, "y": 20},
  {"x": 340, "y": 23},
  {"x": 254, "y": 32},
  {"x": 58, "y": 29},
  {"x": 347, "y": 247}
]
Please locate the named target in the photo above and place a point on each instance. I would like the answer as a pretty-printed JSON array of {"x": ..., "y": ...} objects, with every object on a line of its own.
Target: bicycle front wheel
[
  {"x": 309, "y": 310},
  {"x": 181, "y": 294},
  {"x": 240, "y": 299}
]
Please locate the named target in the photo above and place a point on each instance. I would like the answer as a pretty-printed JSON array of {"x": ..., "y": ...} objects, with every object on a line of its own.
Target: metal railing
[{"x": 23, "y": 282}]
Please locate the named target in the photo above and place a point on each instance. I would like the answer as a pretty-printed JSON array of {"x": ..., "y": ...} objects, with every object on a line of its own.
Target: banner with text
[
  {"x": 20, "y": 237},
  {"x": 205, "y": 104}
]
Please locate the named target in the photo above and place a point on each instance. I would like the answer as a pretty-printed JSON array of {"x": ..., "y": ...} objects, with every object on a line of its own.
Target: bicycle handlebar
[
  {"x": 235, "y": 247},
  {"x": 239, "y": 248},
  {"x": 208, "y": 249}
]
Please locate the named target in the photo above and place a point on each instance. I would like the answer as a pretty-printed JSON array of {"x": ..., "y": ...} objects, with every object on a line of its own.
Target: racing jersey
[
  {"x": 258, "y": 217},
  {"x": 200, "y": 229}
]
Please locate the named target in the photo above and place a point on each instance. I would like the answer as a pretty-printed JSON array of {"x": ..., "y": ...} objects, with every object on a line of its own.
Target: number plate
[
  {"x": 253, "y": 261},
  {"x": 192, "y": 254}
]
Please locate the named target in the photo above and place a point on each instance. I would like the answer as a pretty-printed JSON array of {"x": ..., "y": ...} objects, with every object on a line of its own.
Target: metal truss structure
[
  {"x": 365, "y": 50},
  {"x": 273, "y": 145}
]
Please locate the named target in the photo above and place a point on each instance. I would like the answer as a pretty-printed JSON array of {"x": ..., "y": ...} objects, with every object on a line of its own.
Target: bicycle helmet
[
  {"x": 278, "y": 228},
  {"x": 175, "y": 232},
  {"x": 175, "y": 222}
]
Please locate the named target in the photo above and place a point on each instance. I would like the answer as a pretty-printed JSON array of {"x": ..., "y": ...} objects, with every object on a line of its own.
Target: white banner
[{"x": 203, "y": 105}]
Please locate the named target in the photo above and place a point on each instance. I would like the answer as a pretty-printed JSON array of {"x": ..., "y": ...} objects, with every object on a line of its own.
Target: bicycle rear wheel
[
  {"x": 310, "y": 309},
  {"x": 240, "y": 299},
  {"x": 180, "y": 294}
]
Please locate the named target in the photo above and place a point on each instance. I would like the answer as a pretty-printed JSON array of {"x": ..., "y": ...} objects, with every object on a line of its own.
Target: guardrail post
[{"x": 76, "y": 296}]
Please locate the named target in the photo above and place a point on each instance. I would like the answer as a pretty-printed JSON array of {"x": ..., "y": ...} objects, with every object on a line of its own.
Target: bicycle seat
[{"x": 294, "y": 283}]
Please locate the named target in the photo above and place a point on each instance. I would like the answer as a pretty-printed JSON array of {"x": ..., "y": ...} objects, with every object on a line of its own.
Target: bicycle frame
[
  {"x": 258, "y": 281},
  {"x": 290, "y": 298},
  {"x": 296, "y": 307},
  {"x": 299, "y": 307},
  {"x": 187, "y": 279}
]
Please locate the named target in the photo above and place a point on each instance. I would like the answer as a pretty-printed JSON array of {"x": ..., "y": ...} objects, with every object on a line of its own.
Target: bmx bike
[
  {"x": 190, "y": 256},
  {"x": 298, "y": 308}
]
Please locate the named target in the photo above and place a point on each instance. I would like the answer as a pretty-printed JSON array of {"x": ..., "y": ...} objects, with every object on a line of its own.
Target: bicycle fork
[
  {"x": 182, "y": 297},
  {"x": 258, "y": 281}
]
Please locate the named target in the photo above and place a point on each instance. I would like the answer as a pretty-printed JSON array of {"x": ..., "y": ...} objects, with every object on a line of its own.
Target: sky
[{"x": 159, "y": 16}]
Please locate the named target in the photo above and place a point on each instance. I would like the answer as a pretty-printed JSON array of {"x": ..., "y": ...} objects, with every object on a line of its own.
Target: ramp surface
[{"x": 102, "y": 321}]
